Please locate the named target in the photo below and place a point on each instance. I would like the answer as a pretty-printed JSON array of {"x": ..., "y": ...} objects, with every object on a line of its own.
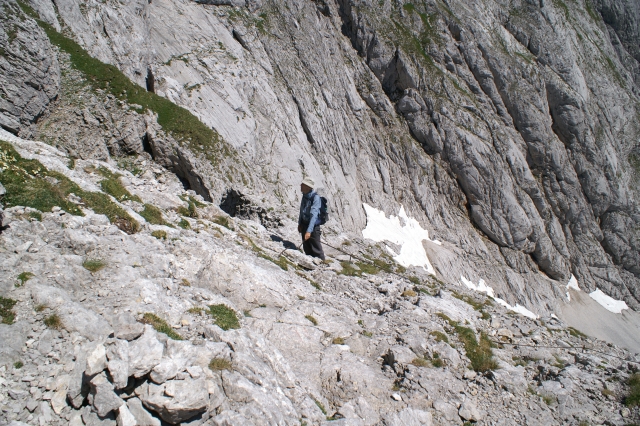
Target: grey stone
[
  {"x": 117, "y": 351},
  {"x": 96, "y": 360},
  {"x": 177, "y": 400},
  {"x": 469, "y": 411},
  {"x": 126, "y": 327},
  {"x": 104, "y": 398},
  {"x": 145, "y": 353},
  {"x": 410, "y": 417},
  {"x": 142, "y": 416}
]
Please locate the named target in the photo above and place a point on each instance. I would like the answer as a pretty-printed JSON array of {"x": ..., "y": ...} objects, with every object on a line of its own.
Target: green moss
[
  {"x": 321, "y": 407},
  {"x": 223, "y": 221},
  {"x": 282, "y": 261},
  {"x": 160, "y": 325},
  {"x": 224, "y": 317},
  {"x": 184, "y": 224},
  {"x": 23, "y": 278},
  {"x": 577, "y": 333},
  {"x": 18, "y": 365},
  {"x": 175, "y": 120},
  {"x": 312, "y": 319},
  {"x": 152, "y": 215},
  {"x": 94, "y": 265},
  {"x": 6, "y": 306},
  {"x": 26, "y": 185},
  {"x": 36, "y": 215},
  {"x": 190, "y": 211}
]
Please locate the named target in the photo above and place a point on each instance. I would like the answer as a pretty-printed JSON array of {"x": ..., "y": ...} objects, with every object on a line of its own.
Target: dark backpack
[{"x": 324, "y": 211}]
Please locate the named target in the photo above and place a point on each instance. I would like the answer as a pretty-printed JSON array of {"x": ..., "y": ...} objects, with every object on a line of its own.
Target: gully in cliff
[{"x": 312, "y": 215}]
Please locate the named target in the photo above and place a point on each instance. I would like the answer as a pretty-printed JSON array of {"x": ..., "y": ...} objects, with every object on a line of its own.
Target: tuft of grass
[
  {"x": 440, "y": 336},
  {"x": 39, "y": 308},
  {"x": 414, "y": 279},
  {"x": 436, "y": 361},
  {"x": 161, "y": 235},
  {"x": 18, "y": 365},
  {"x": 152, "y": 215},
  {"x": 6, "y": 306},
  {"x": 26, "y": 185},
  {"x": 409, "y": 293},
  {"x": 367, "y": 334},
  {"x": 189, "y": 211},
  {"x": 607, "y": 392},
  {"x": 479, "y": 353},
  {"x": 53, "y": 321},
  {"x": 633, "y": 398},
  {"x": 195, "y": 310},
  {"x": 160, "y": 325},
  {"x": 224, "y": 316},
  {"x": 185, "y": 282},
  {"x": 112, "y": 186},
  {"x": 311, "y": 319},
  {"x": 184, "y": 224},
  {"x": 94, "y": 265},
  {"x": 577, "y": 333},
  {"x": 348, "y": 269},
  {"x": 219, "y": 364},
  {"x": 36, "y": 215},
  {"x": 420, "y": 362},
  {"x": 282, "y": 261},
  {"x": 23, "y": 278},
  {"x": 321, "y": 407},
  {"x": 223, "y": 221},
  {"x": 338, "y": 341}
]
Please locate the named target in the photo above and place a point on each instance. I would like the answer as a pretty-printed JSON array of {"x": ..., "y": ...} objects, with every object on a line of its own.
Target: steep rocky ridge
[{"x": 515, "y": 121}]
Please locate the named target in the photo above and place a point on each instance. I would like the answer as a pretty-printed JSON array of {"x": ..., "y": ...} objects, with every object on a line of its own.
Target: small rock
[
  {"x": 142, "y": 416},
  {"x": 125, "y": 418},
  {"x": 396, "y": 396},
  {"x": 469, "y": 411},
  {"x": 126, "y": 327},
  {"x": 32, "y": 404},
  {"x": 145, "y": 353},
  {"x": 177, "y": 400},
  {"x": 96, "y": 360},
  {"x": 104, "y": 398},
  {"x": 470, "y": 375}
]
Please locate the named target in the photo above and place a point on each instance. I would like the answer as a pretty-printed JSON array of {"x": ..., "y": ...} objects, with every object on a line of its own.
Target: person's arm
[{"x": 315, "y": 212}]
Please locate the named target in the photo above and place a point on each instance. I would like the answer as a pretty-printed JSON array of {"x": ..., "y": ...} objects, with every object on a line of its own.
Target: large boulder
[{"x": 176, "y": 400}]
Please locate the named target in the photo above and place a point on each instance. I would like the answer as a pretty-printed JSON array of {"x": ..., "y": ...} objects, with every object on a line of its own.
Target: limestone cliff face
[{"x": 510, "y": 129}]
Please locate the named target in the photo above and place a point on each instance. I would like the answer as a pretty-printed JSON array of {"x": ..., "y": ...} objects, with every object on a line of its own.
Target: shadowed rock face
[{"x": 510, "y": 129}]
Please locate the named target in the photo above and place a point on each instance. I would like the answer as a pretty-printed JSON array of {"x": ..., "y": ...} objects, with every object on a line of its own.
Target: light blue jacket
[{"x": 310, "y": 210}]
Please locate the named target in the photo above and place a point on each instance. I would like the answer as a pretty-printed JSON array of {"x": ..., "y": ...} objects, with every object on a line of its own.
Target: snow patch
[
  {"x": 608, "y": 302},
  {"x": 403, "y": 231},
  {"x": 573, "y": 283},
  {"x": 481, "y": 287}
]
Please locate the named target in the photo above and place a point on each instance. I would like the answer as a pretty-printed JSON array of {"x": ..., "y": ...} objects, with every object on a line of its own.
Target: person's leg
[
  {"x": 316, "y": 243},
  {"x": 306, "y": 246}
]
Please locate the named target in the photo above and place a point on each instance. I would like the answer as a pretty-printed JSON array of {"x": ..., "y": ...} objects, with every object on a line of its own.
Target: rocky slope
[
  {"x": 200, "y": 318},
  {"x": 510, "y": 128}
]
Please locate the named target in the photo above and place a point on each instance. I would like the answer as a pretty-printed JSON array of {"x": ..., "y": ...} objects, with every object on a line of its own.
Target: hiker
[{"x": 309, "y": 219}]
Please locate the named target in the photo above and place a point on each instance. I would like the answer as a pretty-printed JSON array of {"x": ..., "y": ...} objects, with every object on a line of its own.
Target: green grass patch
[
  {"x": 6, "y": 306},
  {"x": 160, "y": 325},
  {"x": 311, "y": 319},
  {"x": 420, "y": 362},
  {"x": 224, "y": 317},
  {"x": 367, "y": 334},
  {"x": 196, "y": 310},
  {"x": 478, "y": 352},
  {"x": 177, "y": 121},
  {"x": 152, "y": 215},
  {"x": 577, "y": 333},
  {"x": 40, "y": 307},
  {"x": 282, "y": 261},
  {"x": 219, "y": 364},
  {"x": 184, "y": 224},
  {"x": 53, "y": 321},
  {"x": 161, "y": 235},
  {"x": 112, "y": 186},
  {"x": 18, "y": 365},
  {"x": 36, "y": 215},
  {"x": 23, "y": 278},
  {"x": 633, "y": 397},
  {"x": 26, "y": 185},
  {"x": 94, "y": 265},
  {"x": 338, "y": 341},
  {"x": 223, "y": 221},
  {"x": 321, "y": 407},
  {"x": 439, "y": 336},
  {"x": 189, "y": 211}
]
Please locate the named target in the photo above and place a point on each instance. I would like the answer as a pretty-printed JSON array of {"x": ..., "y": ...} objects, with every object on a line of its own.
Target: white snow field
[{"x": 403, "y": 231}]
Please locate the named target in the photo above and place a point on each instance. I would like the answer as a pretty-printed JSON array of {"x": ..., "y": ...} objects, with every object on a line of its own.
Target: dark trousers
[{"x": 313, "y": 246}]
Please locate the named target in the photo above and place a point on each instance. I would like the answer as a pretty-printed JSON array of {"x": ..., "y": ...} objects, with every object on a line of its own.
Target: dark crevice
[
  {"x": 236, "y": 204},
  {"x": 150, "y": 81}
]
